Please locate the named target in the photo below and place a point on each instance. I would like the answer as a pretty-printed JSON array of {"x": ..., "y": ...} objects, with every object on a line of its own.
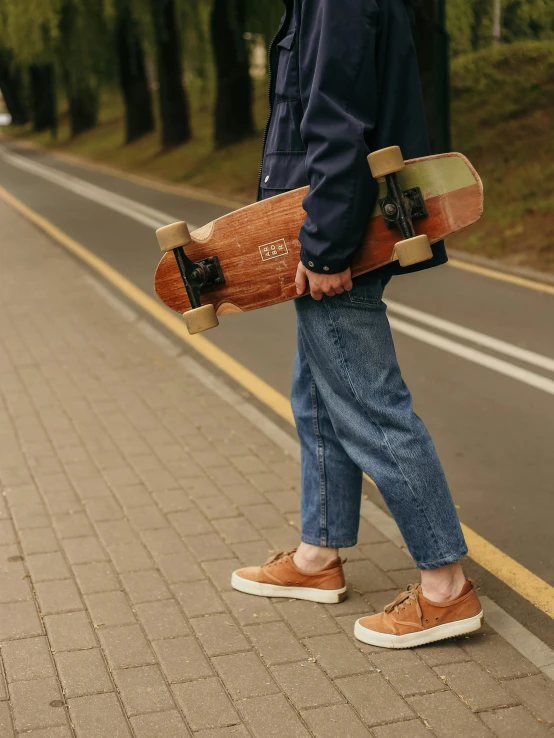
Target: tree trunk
[
  {"x": 174, "y": 109},
  {"x": 233, "y": 109},
  {"x": 43, "y": 97},
  {"x": 11, "y": 86},
  {"x": 432, "y": 50},
  {"x": 139, "y": 116}
]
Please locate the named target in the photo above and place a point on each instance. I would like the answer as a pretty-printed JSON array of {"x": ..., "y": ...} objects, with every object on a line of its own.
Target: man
[{"x": 343, "y": 83}]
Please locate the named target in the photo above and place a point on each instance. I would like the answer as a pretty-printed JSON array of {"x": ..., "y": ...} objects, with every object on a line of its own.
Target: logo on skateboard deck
[{"x": 273, "y": 250}]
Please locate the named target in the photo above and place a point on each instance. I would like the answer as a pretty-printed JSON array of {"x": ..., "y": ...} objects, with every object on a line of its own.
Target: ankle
[
  {"x": 314, "y": 558},
  {"x": 443, "y": 584}
]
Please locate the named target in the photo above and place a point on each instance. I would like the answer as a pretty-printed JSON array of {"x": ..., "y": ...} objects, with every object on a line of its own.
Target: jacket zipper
[{"x": 266, "y": 130}]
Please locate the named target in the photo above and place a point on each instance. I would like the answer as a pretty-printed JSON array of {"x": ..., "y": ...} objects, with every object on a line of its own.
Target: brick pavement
[{"x": 130, "y": 491}]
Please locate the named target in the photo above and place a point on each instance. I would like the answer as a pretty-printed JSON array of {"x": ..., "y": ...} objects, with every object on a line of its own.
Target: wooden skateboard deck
[{"x": 259, "y": 251}]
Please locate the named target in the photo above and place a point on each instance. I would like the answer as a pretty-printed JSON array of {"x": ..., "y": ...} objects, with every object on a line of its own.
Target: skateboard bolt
[{"x": 390, "y": 209}]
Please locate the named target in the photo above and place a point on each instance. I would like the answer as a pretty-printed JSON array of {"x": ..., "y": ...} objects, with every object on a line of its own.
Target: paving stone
[
  {"x": 162, "y": 542},
  {"x": 205, "y": 704},
  {"x": 287, "y": 501},
  {"x": 249, "y": 610},
  {"x": 83, "y": 672},
  {"x": 447, "y": 652},
  {"x": 47, "y": 567},
  {"x": 249, "y": 464},
  {"x": 104, "y": 508},
  {"x": 337, "y": 655},
  {"x": 143, "y": 689},
  {"x": 365, "y": 577},
  {"x": 275, "y": 643},
  {"x": 198, "y": 598},
  {"x": 27, "y": 658},
  {"x": 145, "y": 586},
  {"x": 306, "y": 685},
  {"x": 109, "y": 608},
  {"x": 125, "y": 646},
  {"x": 474, "y": 686},
  {"x": 307, "y": 618},
  {"x": 93, "y": 578},
  {"x": 515, "y": 722},
  {"x": 354, "y": 604},
  {"x": 179, "y": 567},
  {"x": 219, "y": 635},
  {"x": 403, "y": 577},
  {"x": 447, "y": 716},
  {"x": 233, "y": 731},
  {"x": 272, "y": 717},
  {"x": 14, "y": 587},
  {"x": 6, "y": 724},
  {"x": 69, "y": 631},
  {"x": 216, "y": 507},
  {"x": 374, "y": 699},
  {"x": 72, "y": 525},
  {"x": 253, "y": 553},
  {"x": 19, "y": 620},
  {"x": 7, "y": 533},
  {"x": 190, "y": 523},
  {"x": 58, "y": 597},
  {"x": 536, "y": 693},
  {"x": 84, "y": 550},
  {"x": 264, "y": 515},
  {"x": 498, "y": 657},
  {"x": 339, "y": 720},
  {"x": 220, "y": 572},
  {"x": 244, "y": 675},
  {"x": 182, "y": 659},
  {"x": 411, "y": 728},
  {"x": 61, "y": 731},
  {"x": 162, "y": 620},
  {"x": 236, "y": 530},
  {"x": 283, "y": 538},
  {"x": 168, "y": 724},
  {"x": 387, "y": 556},
  {"x": 208, "y": 547},
  {"x": 133, "y": 495},
  {"x": 243, "y": 494},
  {"x": 38, "y": 540},
  {"x": 37, "y": 704},
  {"x": 146, "y": 518},
  {"x": 116, "y": 532},
  {"x": 98, "y": 716},
  {"x": 266, "y": 482},
  {"x": 407, "y": 674},
  {"x": 128, "y": 557},
  {"x": 3, "y": 684},
  {"x": 173, "y": 500}
]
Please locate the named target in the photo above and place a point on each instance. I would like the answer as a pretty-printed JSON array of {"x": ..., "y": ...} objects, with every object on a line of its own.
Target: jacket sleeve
[{"x": 337, "y": 45}]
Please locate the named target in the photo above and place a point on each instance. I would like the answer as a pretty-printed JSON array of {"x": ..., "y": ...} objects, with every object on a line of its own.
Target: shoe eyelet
[
  {"x": 437, "y": 620},
  {"x": 426, "y": 620}
]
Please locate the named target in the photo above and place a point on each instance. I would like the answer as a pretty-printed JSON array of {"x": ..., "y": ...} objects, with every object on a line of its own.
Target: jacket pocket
[
  {"x": 283, "y": 172},
  {"x": 284, "y": 130},
  {"x": 286, "y": 83}
]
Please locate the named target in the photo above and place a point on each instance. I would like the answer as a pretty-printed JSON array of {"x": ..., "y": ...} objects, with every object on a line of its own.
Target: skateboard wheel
[
  {"x": 201, "y": 319},
  {"x": 385, "y": 161},
  {"x": 173, "y": 235},
  {"x": 413, "y": 250}
]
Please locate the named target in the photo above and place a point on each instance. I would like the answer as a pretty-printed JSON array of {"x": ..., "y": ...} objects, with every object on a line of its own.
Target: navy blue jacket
[{"x": 344, "y": 81}]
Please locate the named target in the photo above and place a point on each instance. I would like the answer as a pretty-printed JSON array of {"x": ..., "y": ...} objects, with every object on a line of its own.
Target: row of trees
[{"x": 75, "y": 47}]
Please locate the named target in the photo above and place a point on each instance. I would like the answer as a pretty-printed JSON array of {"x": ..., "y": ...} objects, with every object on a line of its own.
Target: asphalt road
[{"x": 477, "y": 353}]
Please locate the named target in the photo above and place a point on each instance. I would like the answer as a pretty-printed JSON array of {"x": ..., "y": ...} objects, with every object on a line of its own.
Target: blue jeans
[{"x": 354, "y": 413}]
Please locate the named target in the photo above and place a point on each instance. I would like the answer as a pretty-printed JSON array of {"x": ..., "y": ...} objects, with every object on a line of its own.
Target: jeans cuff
[
  {"x": 444, "y": 561},
  {"x": 329, "y": 543}
]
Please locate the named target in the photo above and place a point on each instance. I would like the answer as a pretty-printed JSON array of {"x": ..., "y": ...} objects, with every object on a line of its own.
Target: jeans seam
[
  {"x": 378, "y": 425},
  {"x": 321, "y": 466}
]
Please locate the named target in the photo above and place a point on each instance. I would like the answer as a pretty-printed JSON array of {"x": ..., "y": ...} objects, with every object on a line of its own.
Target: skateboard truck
[
  {"x": 400, "y": 208},
  {"x": 196, "y": 275}
]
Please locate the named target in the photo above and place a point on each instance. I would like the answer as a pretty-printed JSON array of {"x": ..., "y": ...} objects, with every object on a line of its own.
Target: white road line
[
  {"x": 475, "y": 356},
  {"x": 149, "y": 217},
  {"x": 153, "y": 218},
  {"x": 502, "y": 347}
]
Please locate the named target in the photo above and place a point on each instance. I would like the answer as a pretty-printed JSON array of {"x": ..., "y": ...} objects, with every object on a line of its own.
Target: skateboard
[{"x": 247, "y": 259}]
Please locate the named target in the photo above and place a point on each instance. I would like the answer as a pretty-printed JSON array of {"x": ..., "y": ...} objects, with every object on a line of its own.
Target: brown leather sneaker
[
  {"x": 412, "y": 620},
  {"x": 280, "y": 577}
]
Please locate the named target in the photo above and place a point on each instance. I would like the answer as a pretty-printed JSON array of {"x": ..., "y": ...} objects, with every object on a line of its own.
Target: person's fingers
[
  {"x": 347, "y": 284},
  {"x": 339, "y": 290},
  {"x": 330, "y": 292},
  {"x": 316, "y": 293},
  {"x": 300, "y": 279}
]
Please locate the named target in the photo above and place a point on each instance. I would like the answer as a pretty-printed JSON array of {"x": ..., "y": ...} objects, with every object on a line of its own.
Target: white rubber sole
[
  {"x": 326, "y": 596},
  {"x": 410, "y": 640}
]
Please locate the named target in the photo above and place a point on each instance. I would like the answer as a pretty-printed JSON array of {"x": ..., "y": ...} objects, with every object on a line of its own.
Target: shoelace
[
  {"x": 278, "y": 556},
  {"x": 411, "y": 595}
]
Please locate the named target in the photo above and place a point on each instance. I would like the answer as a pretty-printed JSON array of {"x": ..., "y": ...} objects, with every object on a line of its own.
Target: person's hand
[{"x": 322, "y": 284}]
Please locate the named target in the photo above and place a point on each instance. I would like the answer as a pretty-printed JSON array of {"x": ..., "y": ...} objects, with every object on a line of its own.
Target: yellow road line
[
  {"x": 509, "y": 571},
  {"x": 502, "y": 276}
]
